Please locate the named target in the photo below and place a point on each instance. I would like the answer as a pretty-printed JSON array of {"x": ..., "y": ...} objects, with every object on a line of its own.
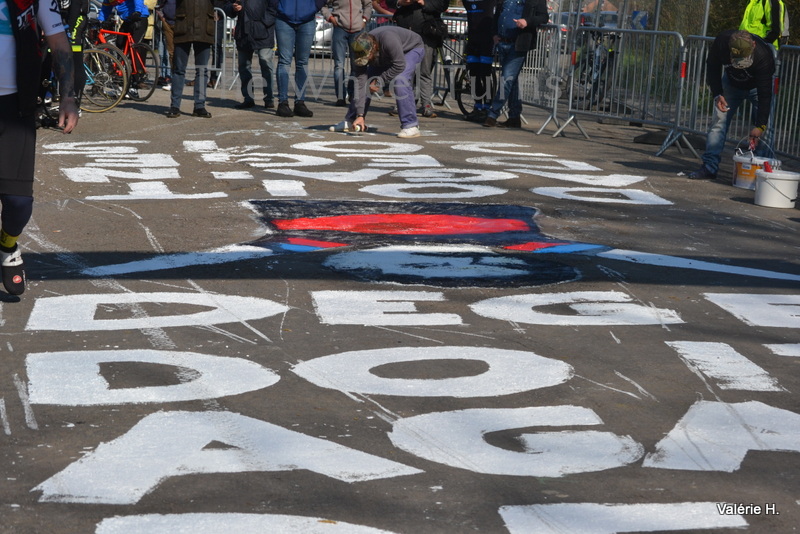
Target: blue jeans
[
  {"x": 266, "y": 60},
  {"x": 715, "y": 141},
  {"x": 340, "y": 45},
  {"x": 202, "y": 51},
  {"x": 402, "y": 87},
  {"x": 511, "y": 63},
  {"x": 294, "y": 41}
]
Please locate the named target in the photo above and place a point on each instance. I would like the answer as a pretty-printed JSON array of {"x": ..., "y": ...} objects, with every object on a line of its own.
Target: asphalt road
[{"x": 251, "y": 324}]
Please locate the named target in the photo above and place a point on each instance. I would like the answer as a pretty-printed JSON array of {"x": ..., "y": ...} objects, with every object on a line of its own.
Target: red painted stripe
[
  {"x": 533, "y": 246},
  {"x": 404, "y": 224},
  {"x": 313, "y": 243}
]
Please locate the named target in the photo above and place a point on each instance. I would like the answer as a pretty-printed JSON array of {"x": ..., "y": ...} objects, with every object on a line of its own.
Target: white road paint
[
  {"x": 155, "y": 191},
  {"x": 104, "y": 175},
  {"x": 173, "y": 444},
  {"x": 606, "y": 181},
  {"x": 498, "y": 148},
  {"x": 4, "y": 417},
  {"x": 728, "y": 368},
  {"x": 73, "y": 378},
  {"x": 660, "y": 260},
  {"x": 359, "y": 147},
  {"x": 785, "y": 349},
  {"x": 232, "y": 175},
  {"x": 174, "y": 261},
  {"x": 22, "y": 391},
  {"x": 456, "y": 439},
  {"x": 425, "y": 190},
  {"x": 232, "y": 522},
  {"x": 360, "y": 175},
  {"x": 778, "y": 311},
  {"x": 450, "y": 174},
  {"x": 509, "y": 372},
  {"x": 601, "y": 518},
  {"x": 524, "y": 163},
  {"x": 379, "y": 308},
  {"x": 430, "y": 261},
  {"x": 285, "y": 188},
  {"x": 716, "y": 436},
  {"x": 77, "y": 313},
  {"x": 396, "y": 160},
  {"x": 603, "y": 195},
  {"x": 592, "y": 308}
]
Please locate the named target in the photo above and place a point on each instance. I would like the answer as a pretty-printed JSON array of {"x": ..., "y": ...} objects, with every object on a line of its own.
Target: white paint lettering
[{"x": 379, "y": 308}]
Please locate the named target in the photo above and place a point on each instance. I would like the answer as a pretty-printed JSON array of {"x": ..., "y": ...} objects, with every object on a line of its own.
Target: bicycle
[
  {"x": 459, "y": 82},
  {"x": 106, "y": 81},
  {"x": 140, "y": 58}
]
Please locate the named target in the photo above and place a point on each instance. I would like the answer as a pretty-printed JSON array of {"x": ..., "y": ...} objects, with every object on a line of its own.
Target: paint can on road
[
  {"x": 776, "y": 189},
  {"x": 745, "y": 167}
]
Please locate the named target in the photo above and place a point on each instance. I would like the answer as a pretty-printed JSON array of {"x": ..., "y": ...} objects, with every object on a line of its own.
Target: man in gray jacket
[
  {"x": 254, "y": 33},
  {"x": 385, "y": 58},
  {"x": 349, "y": 17}
]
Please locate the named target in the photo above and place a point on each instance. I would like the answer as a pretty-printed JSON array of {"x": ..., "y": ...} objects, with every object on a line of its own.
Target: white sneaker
[
  {"x": 343, "y": 126},
  {"x": 407, "y": 133},
  {"x": 167, "y": 87}
]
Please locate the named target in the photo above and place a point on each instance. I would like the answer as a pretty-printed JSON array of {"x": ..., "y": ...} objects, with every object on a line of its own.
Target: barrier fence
[{"x": 640, "y": 76}]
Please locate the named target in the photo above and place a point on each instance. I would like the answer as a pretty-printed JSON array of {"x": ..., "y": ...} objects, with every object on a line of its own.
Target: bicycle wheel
[
  {"x": 106, "y": 81},
  {"x": 144, "y": 73},
  {"x": 465, "y": 90},
  {"x": 117, "y": 53}
]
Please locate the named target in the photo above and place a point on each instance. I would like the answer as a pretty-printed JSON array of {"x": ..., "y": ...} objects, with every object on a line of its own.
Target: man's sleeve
[
  {"x": 535, "y": 13},
  {"x": 49, "y": 15},
  {"x": 367, "y": 7},
  {"x": 714, "y": 68},
  {"x": 774, "y": 31}
]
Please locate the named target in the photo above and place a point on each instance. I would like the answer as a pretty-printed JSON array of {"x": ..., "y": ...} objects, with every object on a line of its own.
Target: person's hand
[
  {"x": 521, "y": 23},
  {"x": 374, "y": 87},
  {"x": 496, "y": 39},
  {"x": 359, "y": 124},
  {"x": 237, "y": 6},
  {"x": 333, "y": 20},
  {"x": 67, "y": 114},
  {"x": 722, "y": 104},
  {"x": 755, "y": 136}
]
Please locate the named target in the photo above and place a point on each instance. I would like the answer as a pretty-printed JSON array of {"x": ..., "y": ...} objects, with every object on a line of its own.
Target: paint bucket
[
  {"x": 745, "y": 166},
  {"x": 776, "y": 189}
]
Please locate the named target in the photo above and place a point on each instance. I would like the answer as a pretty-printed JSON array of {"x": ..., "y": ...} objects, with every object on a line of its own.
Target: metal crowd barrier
[
  {"x": 631, "y": 75},
  {"x": 786, "y": 116}
]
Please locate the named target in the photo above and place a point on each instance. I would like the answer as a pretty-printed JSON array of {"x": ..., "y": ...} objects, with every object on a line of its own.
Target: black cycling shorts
[{"x": 17, "y": 148}]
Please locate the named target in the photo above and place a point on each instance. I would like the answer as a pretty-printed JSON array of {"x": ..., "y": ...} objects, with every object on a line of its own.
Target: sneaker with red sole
[{"x": 13, "y": 271}]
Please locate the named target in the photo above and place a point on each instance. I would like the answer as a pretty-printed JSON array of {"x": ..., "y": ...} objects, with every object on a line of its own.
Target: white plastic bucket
[
  {"x": 776, "y": 189},
  {"x": 745, "y": 167}
]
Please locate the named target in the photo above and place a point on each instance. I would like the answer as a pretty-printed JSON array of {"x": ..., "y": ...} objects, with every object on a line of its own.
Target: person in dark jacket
[
  {"x": 194, "y": 30},
  {"x": 254, "y": 33},
  {"x": 515, "y": 24},
  {"x": 413, "y": 15},
  {"x": 740, "y": 66},
  {"x": 294, "y": 30},
  {"x": 165, "y": 10}
]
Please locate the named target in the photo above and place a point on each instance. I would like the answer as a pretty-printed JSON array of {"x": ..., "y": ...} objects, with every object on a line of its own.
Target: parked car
[{"x": 323, "y": 35}]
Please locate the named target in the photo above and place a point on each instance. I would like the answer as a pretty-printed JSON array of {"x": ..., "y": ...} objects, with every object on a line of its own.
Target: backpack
[{"x": 784, "y": 36}]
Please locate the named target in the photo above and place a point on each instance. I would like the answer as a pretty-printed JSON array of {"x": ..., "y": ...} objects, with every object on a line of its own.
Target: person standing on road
[
  {"x": 20, "y": 77},
  {"x": 165, "y": 10},
  {"x": 479, "y": 53},
  {"x": 133, "y": 14},
  {"x": 294, "y": 29},
  {"x": 740, "y": 66},
  {"x": 254, "y": 33},
  {"x": 515, "y": 24},
  {"x": 349, "y": 17},
  {"x": 194, "y": 30},
  {"x": 385, "y": 58},
  {"x": 765, "y": 18},
  {"x": 413, "y": 15}
]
